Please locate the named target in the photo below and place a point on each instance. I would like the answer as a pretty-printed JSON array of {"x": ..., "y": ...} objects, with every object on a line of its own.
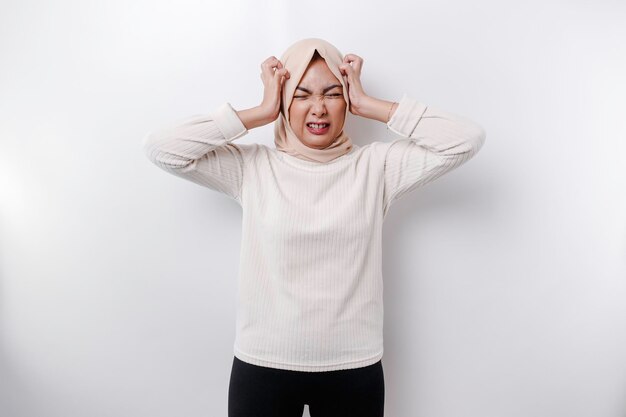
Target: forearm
[
  {"x": 376, "y": 109},
  {"x": 252, "y": 117},
  {"x": 177, "y": 146},
  {"x": 445, "y": 134}
]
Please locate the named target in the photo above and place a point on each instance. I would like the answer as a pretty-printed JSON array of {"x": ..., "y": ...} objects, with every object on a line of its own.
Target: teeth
[{"x": 316, "y": 126}]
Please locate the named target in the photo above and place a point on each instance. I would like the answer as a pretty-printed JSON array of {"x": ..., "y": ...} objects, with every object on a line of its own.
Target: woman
[{"x": 310, "y": 291}]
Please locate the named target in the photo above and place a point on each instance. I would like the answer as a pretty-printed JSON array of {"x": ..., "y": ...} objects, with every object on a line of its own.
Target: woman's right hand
[{"x": 273, "y": 75}]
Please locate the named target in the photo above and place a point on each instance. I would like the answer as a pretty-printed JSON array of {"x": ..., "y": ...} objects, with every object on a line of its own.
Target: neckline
[{"x": 317, "y": 166}]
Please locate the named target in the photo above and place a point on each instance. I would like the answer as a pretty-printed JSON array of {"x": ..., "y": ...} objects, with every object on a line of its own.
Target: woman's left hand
[{"x": 351, "y": 71}]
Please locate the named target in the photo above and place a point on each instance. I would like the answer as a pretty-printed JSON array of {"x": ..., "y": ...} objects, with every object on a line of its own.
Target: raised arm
[
  {"x": 200, "y": 148},
  {"x": 436, "y": 142}
]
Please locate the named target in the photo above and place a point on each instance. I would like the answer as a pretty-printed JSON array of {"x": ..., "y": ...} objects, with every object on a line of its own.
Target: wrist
[
  {"x": 253, "y": 117},
  {"x": 376, "y": 109}
]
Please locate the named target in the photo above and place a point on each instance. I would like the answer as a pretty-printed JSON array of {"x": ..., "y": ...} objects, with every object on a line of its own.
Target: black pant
[{"x": 259, "y": 391}]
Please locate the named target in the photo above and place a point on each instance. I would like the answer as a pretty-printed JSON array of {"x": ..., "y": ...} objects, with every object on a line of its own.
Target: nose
[{"x": 319, "y": 107}]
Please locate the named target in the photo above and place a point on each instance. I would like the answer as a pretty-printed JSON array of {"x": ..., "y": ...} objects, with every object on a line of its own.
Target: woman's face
[{"x": 317, "y": 99}]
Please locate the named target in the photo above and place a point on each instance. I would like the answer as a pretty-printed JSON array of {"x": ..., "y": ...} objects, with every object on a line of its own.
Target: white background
[{"x": 505, "y": 280}]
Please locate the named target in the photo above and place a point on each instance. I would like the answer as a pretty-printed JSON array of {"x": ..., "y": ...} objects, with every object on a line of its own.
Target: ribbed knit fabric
[{"x": 310, "y": 285}]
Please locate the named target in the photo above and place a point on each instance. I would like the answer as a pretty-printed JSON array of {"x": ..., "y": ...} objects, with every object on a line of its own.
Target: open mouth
[{"x": 318, "y": 129}]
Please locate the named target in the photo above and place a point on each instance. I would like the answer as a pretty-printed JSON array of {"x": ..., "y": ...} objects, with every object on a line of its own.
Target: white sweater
[{"x": 310, "y": 285}]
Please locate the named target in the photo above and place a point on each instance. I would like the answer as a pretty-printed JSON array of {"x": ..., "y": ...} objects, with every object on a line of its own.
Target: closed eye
[{"x": 327, "y": 95}]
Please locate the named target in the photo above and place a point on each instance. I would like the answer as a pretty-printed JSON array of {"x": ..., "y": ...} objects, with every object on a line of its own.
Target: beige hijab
[{"x": 296, "y": 59}]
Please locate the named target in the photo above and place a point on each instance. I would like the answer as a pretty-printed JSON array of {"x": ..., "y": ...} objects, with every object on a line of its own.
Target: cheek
[
  {"x": 339, "y": 110},
  {"x": 340, "y": 104},
  {"x": 296, "y": 117}
]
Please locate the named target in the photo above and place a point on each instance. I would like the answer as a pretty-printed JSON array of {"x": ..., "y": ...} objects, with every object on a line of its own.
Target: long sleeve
[
  {"x": 199, "y": 149},
  {"x": 436, "y": 142}
]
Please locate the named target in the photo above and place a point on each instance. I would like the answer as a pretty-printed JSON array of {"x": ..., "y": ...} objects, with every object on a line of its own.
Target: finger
[
  {"x": 270, "y": 62},
  {"x": 346, "y": 69},
  {"x": 282, "y": 72},
  {"x": 354, "y": 61}
]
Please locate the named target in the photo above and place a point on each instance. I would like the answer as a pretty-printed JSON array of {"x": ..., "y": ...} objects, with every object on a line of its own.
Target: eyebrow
[{"x": 325, "y": 90}]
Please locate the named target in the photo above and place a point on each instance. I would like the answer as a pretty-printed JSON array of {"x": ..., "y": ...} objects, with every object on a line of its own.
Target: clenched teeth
[{"x": 316, "y": 126}]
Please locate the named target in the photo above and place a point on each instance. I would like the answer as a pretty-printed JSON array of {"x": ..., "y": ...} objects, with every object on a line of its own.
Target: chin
[{"x": 317, "y": 144}]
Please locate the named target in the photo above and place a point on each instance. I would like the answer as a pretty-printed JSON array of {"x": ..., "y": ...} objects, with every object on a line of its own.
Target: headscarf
[{"x": 296, "y": 59}]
